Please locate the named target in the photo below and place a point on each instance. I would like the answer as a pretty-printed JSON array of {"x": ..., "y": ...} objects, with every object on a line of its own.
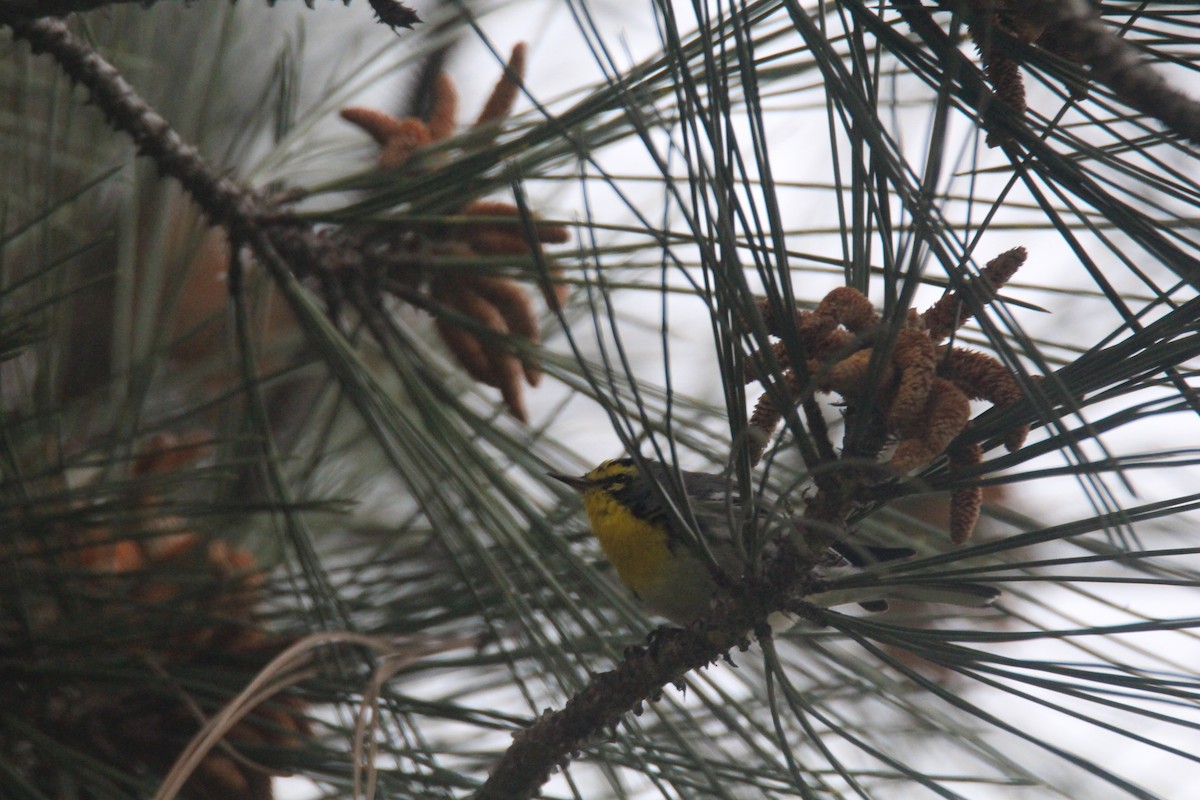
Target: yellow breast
[
  {"x": 633, "y": 546},
  {"x": 672, "y": 583}
]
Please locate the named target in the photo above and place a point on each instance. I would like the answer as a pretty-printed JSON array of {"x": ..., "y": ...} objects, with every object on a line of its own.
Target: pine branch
[
  {"x": 641, "y": 676},
  {"x": 222, "y": 200},
  {"x": 554, "y": 736},
  {"x": 1001, "y": 120},
  {"x": 1074, "y": 29},
  {"x": 33, "y": 9},
  {"x": 390, "y": 12},
  {"x": 286, "y": 246}
]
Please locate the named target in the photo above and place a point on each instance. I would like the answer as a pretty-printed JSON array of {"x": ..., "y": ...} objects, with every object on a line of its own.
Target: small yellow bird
[{"x": 665, "y": 571}]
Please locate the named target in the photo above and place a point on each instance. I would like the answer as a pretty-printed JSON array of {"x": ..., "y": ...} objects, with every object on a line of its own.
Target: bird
[{"x": 663, "y": 565}]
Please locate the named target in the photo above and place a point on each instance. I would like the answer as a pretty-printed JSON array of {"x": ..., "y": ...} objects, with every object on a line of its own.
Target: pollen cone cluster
[
  {"x": 990, "y": 20},
  {"x": 480, "y": 312},
  {"x": 920, "y": 398},
  {"x": 155, "y": 600}
]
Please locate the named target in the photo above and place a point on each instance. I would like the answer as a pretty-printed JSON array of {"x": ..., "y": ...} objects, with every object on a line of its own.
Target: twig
[
  {"x": 552, "y": 739},
  {"x": 280, "y": 242},
  {"x": 222, "y": 200},
  {"x": 32, "y": 9},
  {"x": 389, "y": 12},
  {"x": 555, "y": 735}
]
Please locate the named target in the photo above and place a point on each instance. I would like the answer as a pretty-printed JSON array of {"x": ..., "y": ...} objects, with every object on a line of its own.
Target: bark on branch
[
  {"x": 392, "y": 13},
  {"x": 554, "y": 737},
  {"x": 1078, "y": 30},
  {"x": 32, "y": 9},
  {"x": 279, "y": 242}
]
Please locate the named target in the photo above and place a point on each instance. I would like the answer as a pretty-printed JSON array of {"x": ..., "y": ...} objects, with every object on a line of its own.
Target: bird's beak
[{"x": 578, "y": 484}]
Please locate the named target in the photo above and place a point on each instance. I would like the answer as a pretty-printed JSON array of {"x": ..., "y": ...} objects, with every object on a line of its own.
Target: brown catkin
[
  {"x": 965, "y": 502},
  {"x": 756, "y": 366},
  {"x": 398, "y": 139},
  {"x": 467, "y": 351},
  {"x": 949, "y": 313},
  {"x": 500, "y": 104},
  {"x": 915, "y": 358},
  {"x": 982, "y": 377},
  {"x": 503, "y": 237},
  {"x": 762, "y": 425},
  {"x": 965, "y": 505},
  {"x": 848, "y": 376},
  {"x": 443, "y": 112},
  {"x": 378, "y": 125},
  {"x": 499, "y": 367},
  {"x": 1000, "y": 69},
  {"x": 513, "y": 303},
  {"x": 848, "y": 307},
  {"x": 1000, "y": 270},
  {"x": 946, "y": 414}
]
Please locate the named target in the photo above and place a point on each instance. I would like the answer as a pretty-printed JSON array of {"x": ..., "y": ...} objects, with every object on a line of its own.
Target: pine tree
[{"x": 284, "y": 363}]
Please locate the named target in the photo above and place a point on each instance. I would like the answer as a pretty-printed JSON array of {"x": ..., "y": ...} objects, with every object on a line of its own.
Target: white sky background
[{"x": 560, "y": 64}]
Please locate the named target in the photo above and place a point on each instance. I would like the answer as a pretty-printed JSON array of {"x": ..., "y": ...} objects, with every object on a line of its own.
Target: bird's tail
[
  {"x": 849, "y": 558},
  {"x": 875, "y": 597}
]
